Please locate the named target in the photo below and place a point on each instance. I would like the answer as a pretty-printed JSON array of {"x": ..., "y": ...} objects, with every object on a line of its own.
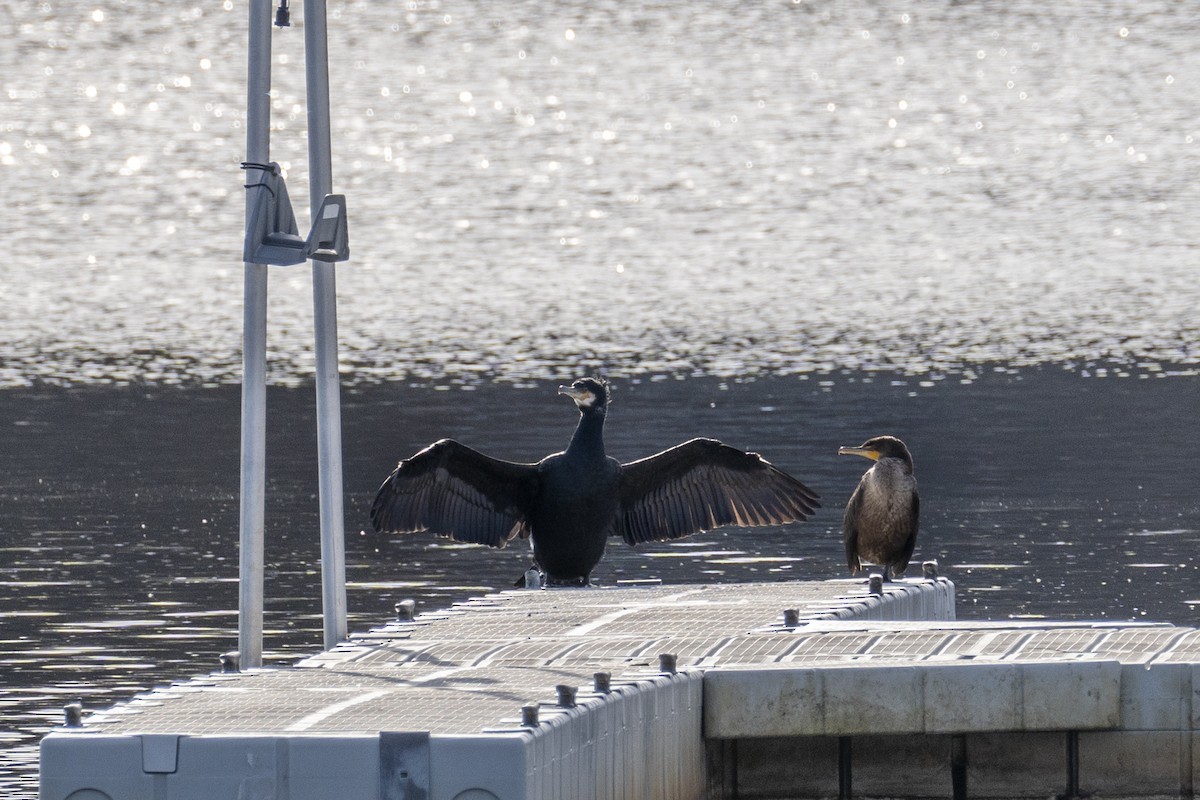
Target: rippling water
[
  {"x": 972, "y": 224},
  {"x": 1044, "y": 493}
]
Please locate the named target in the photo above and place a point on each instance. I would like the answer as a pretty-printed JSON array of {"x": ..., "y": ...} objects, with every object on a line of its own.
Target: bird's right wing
[
  {"x": 703, "y": 484},
  {"x": 452, "y": 490},
  {"x": 910, "y": 544}
]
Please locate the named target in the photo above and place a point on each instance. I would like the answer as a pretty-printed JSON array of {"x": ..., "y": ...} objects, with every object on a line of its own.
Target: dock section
[{"x": 798, "y": 689}]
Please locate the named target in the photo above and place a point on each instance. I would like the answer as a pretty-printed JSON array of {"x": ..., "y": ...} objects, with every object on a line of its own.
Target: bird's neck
[{"x": 589, "y": 435}]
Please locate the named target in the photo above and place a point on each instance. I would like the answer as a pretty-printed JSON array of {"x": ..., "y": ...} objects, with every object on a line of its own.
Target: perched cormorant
[
  {"x": 570, "y": 502},
  {"x": 880, "y": 526}
]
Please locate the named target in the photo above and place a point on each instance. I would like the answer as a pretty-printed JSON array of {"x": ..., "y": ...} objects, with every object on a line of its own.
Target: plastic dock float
[{"x": 798, "y": 689}]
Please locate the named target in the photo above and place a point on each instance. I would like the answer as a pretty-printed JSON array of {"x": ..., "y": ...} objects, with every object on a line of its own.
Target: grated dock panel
[{"x": 472, "y": 667}]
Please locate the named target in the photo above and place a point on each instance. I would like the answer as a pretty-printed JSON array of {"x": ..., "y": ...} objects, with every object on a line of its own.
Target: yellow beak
[{"x": 859, "y": 451}]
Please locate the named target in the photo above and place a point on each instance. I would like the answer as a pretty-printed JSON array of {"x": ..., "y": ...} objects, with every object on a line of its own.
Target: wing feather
[
  {"x": 704, "y": 484},
  {"x": 914, "y": 522},
  {"x": 850, "y": 530},
  {"x": 451, "y": 490}
]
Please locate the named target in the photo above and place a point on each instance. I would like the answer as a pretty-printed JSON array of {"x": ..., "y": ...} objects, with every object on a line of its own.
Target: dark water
[{"x": 1044, "y": 493}]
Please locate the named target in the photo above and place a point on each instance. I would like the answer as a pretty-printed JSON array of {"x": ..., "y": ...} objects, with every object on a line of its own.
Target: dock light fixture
[
  {"x": 791, "y": 617},
  {"x": 529, "y": 715},
  {"x": 875, "y": 583},
  {"x": 667, "y": 663},
  {"x": 231, "y": 662},
  {"x": 929, "y": 570},
  {"x": 602, "y": 682}
]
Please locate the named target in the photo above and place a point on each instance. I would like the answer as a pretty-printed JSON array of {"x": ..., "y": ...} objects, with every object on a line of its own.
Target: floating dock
[{"x": 770, "y": 690}]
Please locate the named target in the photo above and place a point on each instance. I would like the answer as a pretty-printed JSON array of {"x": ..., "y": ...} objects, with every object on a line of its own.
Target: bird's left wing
[
  {"x": 455, "y": 491},
  {"x": 850, "y": 529},
  {"x": 704, "y": 484}
]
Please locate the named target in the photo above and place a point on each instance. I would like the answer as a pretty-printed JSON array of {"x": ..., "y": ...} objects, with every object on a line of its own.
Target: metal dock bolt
[
  {"x": 533, "y": 578},
  {"x": 667, "y": 663},
  {"x": 231, "y": 661},
  {"x": 791, "y": 617},
  {"x": 929, "y": 570},
  {"x": 73, "y": 715},
  {"x": 875, "y": 583},
  {"x": 602, "y": 682},
  {"x": 406, "y": 610},
  {"x": 566, "y": 695},
  {"x": 529, "y": 715}
]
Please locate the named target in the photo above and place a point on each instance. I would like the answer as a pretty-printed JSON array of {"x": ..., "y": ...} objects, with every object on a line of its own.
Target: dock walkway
[{"x": 683, "y": 691}]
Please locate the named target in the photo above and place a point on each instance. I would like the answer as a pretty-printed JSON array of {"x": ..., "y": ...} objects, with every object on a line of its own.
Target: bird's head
[
  {"x": 589, "y": 394},
  {"x": 879, "y": 447}
]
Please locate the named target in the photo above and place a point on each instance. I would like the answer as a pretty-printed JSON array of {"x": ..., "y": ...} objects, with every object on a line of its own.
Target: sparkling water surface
[
  {"x": 781, "y": 187},
  {"x": 790, "y": 225}
]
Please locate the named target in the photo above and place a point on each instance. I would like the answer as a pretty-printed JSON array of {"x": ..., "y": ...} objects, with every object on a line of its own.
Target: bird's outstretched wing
[
  {"x": 703, "y": 484},
  {"x": 455, "y": 491}
]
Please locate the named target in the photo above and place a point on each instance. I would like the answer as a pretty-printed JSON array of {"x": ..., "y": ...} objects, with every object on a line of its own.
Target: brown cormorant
[
  {"x": 880, "y": 526},
  {"x": 570, "y": 502}
]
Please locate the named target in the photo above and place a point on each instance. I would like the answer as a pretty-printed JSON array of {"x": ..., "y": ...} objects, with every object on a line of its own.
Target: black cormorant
[
  {"x": 570, "y": 502},
  {"x": 880, "y": 526}
]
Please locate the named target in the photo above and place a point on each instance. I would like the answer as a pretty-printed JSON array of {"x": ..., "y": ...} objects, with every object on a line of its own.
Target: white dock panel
[{"x": 871, "y": 699}]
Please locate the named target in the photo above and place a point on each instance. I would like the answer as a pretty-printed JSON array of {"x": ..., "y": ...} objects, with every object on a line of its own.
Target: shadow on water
[{"x": 1044, "y": 493}]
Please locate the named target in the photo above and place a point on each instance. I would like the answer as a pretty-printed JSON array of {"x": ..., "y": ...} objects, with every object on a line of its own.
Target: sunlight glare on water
[{"x": 778, "y": 190}]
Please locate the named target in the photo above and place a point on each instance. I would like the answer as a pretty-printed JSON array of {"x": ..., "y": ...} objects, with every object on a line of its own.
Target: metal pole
[
  {"x": 254, "y": 358},
  {"x": 329, "y": 412}
]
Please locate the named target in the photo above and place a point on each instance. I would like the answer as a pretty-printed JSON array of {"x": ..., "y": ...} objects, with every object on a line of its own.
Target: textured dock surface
[
  {"x": 472, "y": 667},
  {"x": 782, "y": 690}
]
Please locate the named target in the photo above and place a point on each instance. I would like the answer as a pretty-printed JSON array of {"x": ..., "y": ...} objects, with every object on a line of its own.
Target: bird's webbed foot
[{"x": 579, "y": 580}]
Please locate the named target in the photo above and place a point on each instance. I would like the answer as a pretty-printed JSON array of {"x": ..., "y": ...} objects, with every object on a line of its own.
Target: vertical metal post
[
  {"x": 254, "y": 358},
  {"x": 329, "y": 414}
]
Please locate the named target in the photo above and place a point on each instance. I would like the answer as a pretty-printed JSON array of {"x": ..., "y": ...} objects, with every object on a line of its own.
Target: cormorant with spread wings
[{"x": 570, "y": 502}]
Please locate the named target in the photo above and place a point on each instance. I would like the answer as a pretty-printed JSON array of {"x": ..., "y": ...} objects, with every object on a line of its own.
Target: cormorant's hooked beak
[
  {"x": 582, "y": 397},
  {"x": 859, "y": 451}
]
